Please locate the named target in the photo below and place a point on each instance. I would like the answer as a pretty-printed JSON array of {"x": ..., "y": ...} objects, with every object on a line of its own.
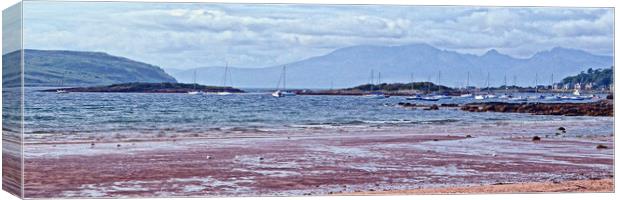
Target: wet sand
[
  {"x": 317, "y": 165},
  {"x": 603, "y": 185}
]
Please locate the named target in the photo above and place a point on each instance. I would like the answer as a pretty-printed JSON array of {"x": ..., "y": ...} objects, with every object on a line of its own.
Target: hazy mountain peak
[
  {"x": 492, "y": 52},
  {"x": 563, "y": 52}
]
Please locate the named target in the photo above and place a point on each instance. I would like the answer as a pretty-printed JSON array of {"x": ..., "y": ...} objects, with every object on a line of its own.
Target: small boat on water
[
  {"x": 572, "y": 98},
  {"x": 519, "y": 98},
  {"x": 440, "y": 97},
  {"x": 282, "y": 92},
  {"x": 194, "y": 91},
  {"x": 376, "y": 95},
  {"x": 423, "y": 98},
  {"x": 225, "y": 81},
  {"x": 537, "y": 97},
  {"x": 483, "y": 97},
  {"x": 490, "y": 96},
  {"x": 575, "y": 98},
  {"x": 505, "y": 96},
  {"x": 416, "y": 97},
  {"x": 466, "y": 95},
  {"x": 62, "y": 91},
  {"x": 430, "y": 99}
]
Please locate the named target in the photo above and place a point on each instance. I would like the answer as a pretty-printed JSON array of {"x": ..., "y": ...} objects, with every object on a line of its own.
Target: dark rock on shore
[
  {"x": 432, "y": 107},
  {"x": 426, "y": 106},
  {"x": 600, "y": 146},
  {"x": 600, "y": 108}
]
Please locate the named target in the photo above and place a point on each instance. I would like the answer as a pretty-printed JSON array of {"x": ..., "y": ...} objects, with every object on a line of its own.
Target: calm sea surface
[{"x": 48, "y": 113}]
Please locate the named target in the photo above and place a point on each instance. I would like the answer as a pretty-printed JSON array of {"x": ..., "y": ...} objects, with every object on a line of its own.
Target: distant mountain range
[
  {"x": 351, "y": 66},
  {"x": 76, "y": 68},
  {"x": 342, "y": 68}
]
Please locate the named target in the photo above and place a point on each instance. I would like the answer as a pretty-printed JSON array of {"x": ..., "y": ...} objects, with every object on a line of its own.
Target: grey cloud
[{"x": 262, "y": 35}]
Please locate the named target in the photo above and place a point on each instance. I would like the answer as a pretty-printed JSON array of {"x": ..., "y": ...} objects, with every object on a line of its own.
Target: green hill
[
  {"x": 391, "y": 87},
  {"x": 76, "y": 68},
  {"x": 599, "y": 78}
]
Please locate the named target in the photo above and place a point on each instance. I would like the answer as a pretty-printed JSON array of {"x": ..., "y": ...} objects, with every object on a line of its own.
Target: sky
[{"x": 189, "y": 35}]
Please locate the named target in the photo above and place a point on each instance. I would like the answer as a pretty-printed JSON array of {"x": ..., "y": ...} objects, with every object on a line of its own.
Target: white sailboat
[
  {"x": 489, "y": 95},
  {"x": 374, "y": 95},
  {"x": 467, "y": 95},
  {"x": 62, "y": 91},
  {"x": 505, "y": 95},
  {"x": 194, "y": 91},
  {"x": 283, "y": 92},
  {"x": 413, "y": 96},
  {"x": 518, "y": 98},
  {"x": 227, "y": 74},
  {"x": 438, "y": 96}
]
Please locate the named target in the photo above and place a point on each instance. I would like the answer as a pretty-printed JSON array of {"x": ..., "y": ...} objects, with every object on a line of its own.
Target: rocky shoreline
[
  {"x": 599, "y": 108},
  {"x": 150, "y": 88}
]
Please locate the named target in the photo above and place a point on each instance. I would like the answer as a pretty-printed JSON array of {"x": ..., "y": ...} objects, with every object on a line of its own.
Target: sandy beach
[
  {"x": 590, "y": 186},
  {"x": 416, "y": 161}
]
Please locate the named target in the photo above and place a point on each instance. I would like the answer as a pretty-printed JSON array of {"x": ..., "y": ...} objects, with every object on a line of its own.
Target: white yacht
[
  {"x": 283, "y": 92},
  {"x": 194, "y": 91}
]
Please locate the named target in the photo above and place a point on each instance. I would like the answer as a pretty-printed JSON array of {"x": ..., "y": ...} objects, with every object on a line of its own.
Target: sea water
[{"x": 53, "y": 116}]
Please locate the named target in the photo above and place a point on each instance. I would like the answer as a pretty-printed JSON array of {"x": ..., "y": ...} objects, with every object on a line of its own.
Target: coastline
[
  {"x": 320, "y": 165},
  {"x": 590, "y": 186}
]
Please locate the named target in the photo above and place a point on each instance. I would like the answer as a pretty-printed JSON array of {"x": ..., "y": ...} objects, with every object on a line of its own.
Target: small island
[
  {"x": 150, "y": 88},
  {"x": 391, "y": 89}
]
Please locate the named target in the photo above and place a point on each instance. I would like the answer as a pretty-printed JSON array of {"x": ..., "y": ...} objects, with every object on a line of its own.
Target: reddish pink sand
[{"x": 280, "y": 166}]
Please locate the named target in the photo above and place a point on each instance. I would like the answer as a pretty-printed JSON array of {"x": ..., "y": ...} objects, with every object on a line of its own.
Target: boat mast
[
  {"x": 412, "y": 84},
  {"x": 488, "y": 82},
  {"x": 505, "y": 84},
  {"x": 536, "y": 83},
  {"x": 552, "y": 82},
  {"x": 514, "y": 83},
  {"x": 428, "y": 85},
  {"x": 467, "y": 85},
  {"x": 284, "y": 78},
  {"x": 225, "y": 74},
  {"x": 62, "y": 80},
  {"x": 438, "y": 81},
  {"x": 372, "y": 79},
  {"x": 194, "y": 79}
]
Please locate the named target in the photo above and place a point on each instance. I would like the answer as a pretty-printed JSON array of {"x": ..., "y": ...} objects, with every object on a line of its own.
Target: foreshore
[
  {"x": 596, "y": 186},
  {"x": 383, "y": 159}
]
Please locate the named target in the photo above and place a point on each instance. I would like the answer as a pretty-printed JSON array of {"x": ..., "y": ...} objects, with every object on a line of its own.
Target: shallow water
[{"x": 73, "y": 115}]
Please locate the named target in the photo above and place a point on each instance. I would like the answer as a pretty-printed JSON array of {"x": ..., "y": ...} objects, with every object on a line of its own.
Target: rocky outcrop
[
  {"x": 151, "y": 88},
  {"x": 600, "y": 108}
]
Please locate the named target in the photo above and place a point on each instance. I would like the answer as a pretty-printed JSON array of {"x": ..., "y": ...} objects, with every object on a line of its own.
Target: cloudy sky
[{"x": 183, "y": 35}]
